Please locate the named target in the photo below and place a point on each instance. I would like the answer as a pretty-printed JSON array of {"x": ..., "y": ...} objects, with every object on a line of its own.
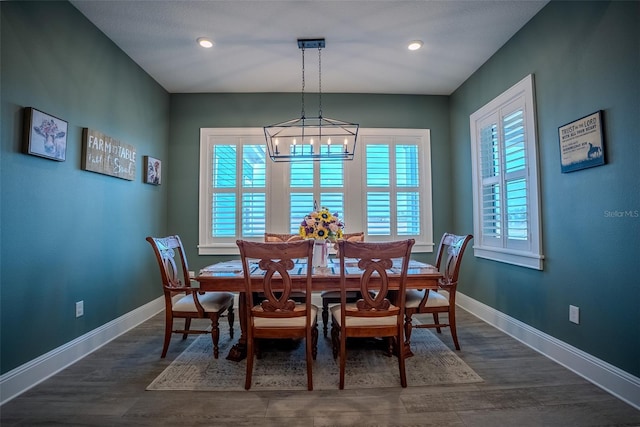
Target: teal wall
[
  {"x": 585, "y": 56},
  {"x": 69, "y": 235},
  {"x": 66, "y": 234},
  {"x": 190, "y": 112}
]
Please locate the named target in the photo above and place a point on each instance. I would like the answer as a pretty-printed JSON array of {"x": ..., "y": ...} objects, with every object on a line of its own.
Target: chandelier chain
[
  {"x": 302, "y": 115},
  {"x": 319, "y": 83}
]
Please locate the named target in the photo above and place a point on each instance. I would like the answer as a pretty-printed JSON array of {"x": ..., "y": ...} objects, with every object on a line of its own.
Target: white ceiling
[{"x": 256, "y": 50}]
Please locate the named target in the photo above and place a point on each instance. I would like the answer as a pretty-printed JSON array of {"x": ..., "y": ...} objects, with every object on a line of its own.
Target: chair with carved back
[
  {"x": 378, "y": 313},
  {"x": 333, "y": 297},
  {"x": 182, "y": 301},
  {"x": 297, "y": 296},
  {"x": 277, "y": 316},
  {"x": 281, "y": 237},
  {"x": 442, "y": 300}
]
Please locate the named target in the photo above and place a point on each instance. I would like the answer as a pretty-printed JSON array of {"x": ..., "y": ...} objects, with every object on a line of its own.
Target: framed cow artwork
[
  {"x": 44, "y": 135},
  {"x": 153, "y": 170}
]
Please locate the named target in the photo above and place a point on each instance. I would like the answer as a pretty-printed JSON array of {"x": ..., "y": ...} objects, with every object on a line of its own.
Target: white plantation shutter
[
  {"x": 515, "y": 175},
  {"x": 223, "y": 215},
  {"x": 223, "y": 210},
  {"x": 491, "y": 194},
  {"x": 393, "y": 188},
  {"x": 506, "y": 197},
  {"x": 238, "y": 189},
  {"x": 408, "y": 212},
  {"x": 253, "y": 214},
  {"x": 310, "y": 182}
]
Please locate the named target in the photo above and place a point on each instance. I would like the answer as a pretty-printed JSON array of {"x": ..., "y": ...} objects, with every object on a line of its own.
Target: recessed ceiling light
[
  {"x": 205, "y": 42},
  {"x": 415, "y": 45}
]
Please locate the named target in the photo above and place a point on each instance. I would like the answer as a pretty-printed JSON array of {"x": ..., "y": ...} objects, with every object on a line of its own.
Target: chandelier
[{"x": 311, "y": 138}]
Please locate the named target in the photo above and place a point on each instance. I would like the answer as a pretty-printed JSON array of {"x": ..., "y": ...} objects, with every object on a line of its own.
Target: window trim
[
  {"x": 277, "y": 176},
  {"x": 531, "y": 256}
]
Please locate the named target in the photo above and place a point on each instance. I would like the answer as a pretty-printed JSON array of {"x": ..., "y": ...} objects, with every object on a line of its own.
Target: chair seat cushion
[
  {"x": 362, "y": 321},
  {"x": 210, "y": 301},
  {"x": 436, "y": 298},
  {"x": 285, "y": 322}
]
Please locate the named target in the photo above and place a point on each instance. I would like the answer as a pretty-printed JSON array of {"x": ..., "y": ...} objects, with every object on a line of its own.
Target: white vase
[{"x": 320, "y": 253}]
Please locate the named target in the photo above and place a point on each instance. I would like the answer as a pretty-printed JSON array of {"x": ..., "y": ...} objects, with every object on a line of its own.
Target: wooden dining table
[{"x": 227, "y": 276}]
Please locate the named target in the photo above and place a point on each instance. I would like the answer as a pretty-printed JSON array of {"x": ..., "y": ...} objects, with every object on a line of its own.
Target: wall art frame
[
  {"x": 45, "y": 135},
  {"x": 106, "y": 155},
  {"x": 582, "y": 143},
  {"x": 152, "y": 170}
]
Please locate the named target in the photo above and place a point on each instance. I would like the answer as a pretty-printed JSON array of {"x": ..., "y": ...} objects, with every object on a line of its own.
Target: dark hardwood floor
[{"x": 520, "y": 388}]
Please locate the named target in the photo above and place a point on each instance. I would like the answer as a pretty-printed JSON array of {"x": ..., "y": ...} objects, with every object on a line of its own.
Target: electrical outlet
[
  {"x": 574, "y": 314},
  {"x": 79, "y": 308}
]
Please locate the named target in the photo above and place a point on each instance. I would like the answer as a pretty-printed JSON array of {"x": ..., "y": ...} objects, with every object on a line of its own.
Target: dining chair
[
  {"x": 378, "y": 313},
  {"x": 297, "y": 296},
  {"x": 333, "y": 297},
  {"x": 442, "y": 300},
  {"x": 277, "y": 315},
  {"x": 182, "y": 301},
  {"x": 281, "y": 237}
]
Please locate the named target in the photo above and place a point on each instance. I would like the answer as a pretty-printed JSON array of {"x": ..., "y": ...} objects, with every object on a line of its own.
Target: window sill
[{"x": 519, "y": 258}]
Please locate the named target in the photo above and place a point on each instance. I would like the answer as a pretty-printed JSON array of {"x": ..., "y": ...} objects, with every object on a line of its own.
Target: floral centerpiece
[{"x": 321, "y": 225}]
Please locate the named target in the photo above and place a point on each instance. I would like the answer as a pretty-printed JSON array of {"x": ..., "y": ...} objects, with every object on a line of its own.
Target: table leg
[
  {"x": 239, "y": 350},
  {"x": 405, "y": 347}
]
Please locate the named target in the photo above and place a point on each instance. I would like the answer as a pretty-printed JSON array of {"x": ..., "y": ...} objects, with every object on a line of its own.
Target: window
[
  {"x": 506, "y": 213},
  {"x": 385, "y": 191}
]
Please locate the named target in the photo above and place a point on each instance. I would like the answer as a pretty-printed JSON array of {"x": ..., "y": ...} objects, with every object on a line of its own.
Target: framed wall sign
[
  {"x": 108, "y": 156},
  {"x": 45, "y": 135},
  {"x": 581, "y": 143},
  {"x": 153, "y": 170}
]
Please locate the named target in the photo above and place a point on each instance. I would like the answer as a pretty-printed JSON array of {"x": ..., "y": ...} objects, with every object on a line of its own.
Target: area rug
[{"x": 283, "y": 366}]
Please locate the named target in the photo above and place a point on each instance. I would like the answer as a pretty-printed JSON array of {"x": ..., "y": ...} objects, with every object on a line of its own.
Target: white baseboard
[
  {"x": 619, "y": 383},
  {"x": 24, "y": 377}
]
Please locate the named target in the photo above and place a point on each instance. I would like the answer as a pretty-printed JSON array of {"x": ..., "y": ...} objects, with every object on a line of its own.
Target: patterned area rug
[{"x": 283, "y": 366}]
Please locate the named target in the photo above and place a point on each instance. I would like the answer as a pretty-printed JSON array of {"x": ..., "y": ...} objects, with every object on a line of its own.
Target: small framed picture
[
  {"x": 45, "y": 135},
  {"x": 153, "y": 170}
]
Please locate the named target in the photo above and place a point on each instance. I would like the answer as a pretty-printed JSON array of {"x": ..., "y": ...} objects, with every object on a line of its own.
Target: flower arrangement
[{"x": 321, "y": 225}]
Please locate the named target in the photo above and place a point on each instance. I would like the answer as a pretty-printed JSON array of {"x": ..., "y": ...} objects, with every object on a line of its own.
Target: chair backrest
[
  {"x": 277, "y": 262},
  {"x": 354, "y": 237},
  {"x": 375, "y": 261},
  {"x": 278, "y": 237},
  {"x": 351, "y": 237},
  {"x": 172, "y": 261},
  {"x": 449, "y": 256}
]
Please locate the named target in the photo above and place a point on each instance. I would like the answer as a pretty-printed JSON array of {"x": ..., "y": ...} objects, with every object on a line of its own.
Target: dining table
[{"x": 227, "y": 276}]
